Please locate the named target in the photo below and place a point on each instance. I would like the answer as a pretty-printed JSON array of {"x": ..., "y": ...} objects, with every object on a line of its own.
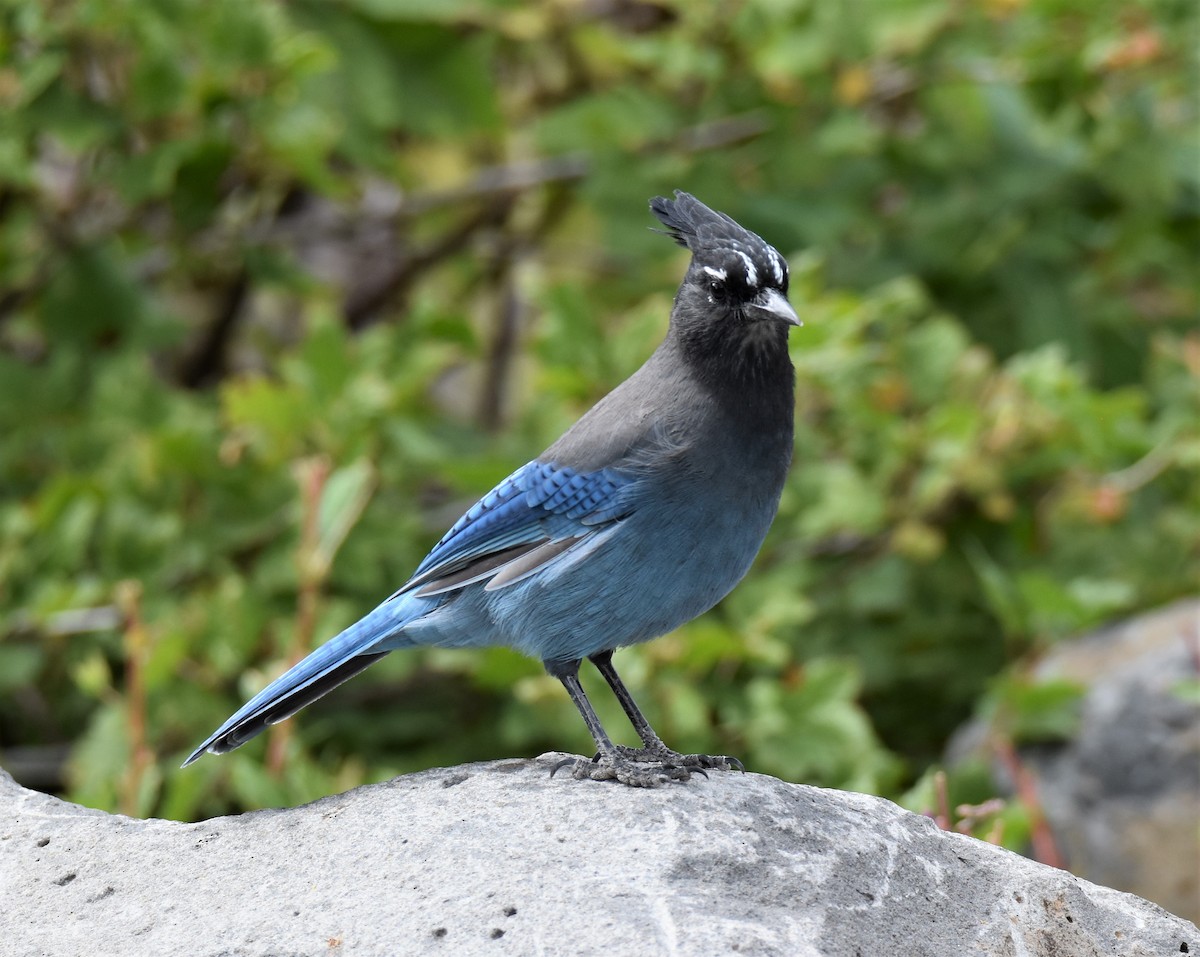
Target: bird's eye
[{"x": 716, "y": 287}]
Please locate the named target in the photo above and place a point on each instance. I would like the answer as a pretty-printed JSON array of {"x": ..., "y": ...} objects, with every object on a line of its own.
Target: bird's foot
[
  {"x": 646, "y": 767},
  {"x": 661, "y": 754},
  {"x": 636, "y": 774}
]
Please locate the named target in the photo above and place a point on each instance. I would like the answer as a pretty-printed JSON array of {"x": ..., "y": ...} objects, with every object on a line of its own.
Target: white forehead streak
[
  {"x": 751, "y": 272},
  {"x": 715, "y": 273}
]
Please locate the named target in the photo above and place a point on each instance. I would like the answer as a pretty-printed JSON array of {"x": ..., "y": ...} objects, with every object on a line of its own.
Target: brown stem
[
  {"x": 942, "y": 800},
  {"x": 1045, "y": 848},
  {"x": 136, "y": 646}
]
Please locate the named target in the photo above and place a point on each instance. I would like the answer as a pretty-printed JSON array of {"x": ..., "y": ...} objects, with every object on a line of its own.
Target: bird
[{"x": 641, "y": 516}]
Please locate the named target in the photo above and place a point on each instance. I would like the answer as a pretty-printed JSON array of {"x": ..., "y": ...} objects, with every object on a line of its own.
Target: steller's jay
[{"x": 643, "y": 515}]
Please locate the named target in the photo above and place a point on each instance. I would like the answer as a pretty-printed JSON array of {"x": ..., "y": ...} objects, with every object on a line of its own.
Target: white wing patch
[{"x": 751, "y": 272}]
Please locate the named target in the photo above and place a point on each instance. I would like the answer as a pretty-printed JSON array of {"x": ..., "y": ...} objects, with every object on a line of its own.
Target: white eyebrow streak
[
  {"x": 777, "y": 267},
  {"x": 751, "y": 272},
  {"x": 715, "y": 273}
]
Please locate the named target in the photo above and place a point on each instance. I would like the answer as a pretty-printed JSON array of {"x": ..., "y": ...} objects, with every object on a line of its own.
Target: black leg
[
  {"x": 653, "y": 749},
  {"x": 590, "y": 718},
  {"x": 609, "y": 764},
  {"x": 603, "y": 663}
]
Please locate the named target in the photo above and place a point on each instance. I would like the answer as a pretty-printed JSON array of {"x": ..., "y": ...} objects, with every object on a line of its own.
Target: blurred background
[{"x": 285, "y": 286}]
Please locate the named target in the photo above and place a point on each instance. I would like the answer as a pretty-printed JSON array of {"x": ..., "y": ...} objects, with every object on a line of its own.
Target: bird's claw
[
  {"x": 647, "y": 767},
  {"x": 572, "y": 762},
  {"x": 695, "y": 762},
  {"x": 632, "y": 773}
]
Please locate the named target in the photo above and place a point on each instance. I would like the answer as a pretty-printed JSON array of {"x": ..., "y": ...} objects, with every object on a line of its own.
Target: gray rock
[
  {"x": 1122, "y": 797},
  {"x": 500, "y": 859}
]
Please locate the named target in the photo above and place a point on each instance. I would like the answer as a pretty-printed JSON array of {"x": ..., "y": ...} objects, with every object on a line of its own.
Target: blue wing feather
[
  {"x": 586, "y": 496},
  {"x": 540, "y": 502}
]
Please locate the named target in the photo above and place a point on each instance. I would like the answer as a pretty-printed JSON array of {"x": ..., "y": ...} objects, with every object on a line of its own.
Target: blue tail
[{"x": 342, "y": 657}]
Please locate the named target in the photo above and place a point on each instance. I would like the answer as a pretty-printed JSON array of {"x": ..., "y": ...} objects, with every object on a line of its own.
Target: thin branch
[
  {"x": 363, "y": 304},
  {"x": 502, "y": 349},
  {"x": 209, "y": 360},
  {"x": 518, "y": 177}
]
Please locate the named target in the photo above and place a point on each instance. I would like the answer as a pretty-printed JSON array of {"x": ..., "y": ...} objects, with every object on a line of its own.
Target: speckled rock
[{"x": 499, "y": 858}]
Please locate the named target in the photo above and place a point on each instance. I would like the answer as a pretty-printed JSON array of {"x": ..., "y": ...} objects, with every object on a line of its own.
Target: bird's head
[{"x": 735, "y": 276}]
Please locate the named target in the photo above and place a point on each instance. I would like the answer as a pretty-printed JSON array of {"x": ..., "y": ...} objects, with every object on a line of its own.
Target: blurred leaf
[
  {"x": 1038, "y": 712},
  {"x": 343, "y": 499},
  {"x": 19, "y": 665},
  {"x": 90, "y": 298},
  {"x": 1188, "y": 691}
]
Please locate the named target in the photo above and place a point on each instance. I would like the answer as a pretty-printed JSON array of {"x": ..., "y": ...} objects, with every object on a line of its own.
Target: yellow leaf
[{"x": 853, "y": 85}]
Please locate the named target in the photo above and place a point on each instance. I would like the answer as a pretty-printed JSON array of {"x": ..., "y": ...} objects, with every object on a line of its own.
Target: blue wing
[{"x": 531, "y": 517}]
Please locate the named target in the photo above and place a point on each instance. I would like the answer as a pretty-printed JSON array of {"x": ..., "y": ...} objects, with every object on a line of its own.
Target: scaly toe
[
  {"x": 714, "y": 762},
  {"x": 666, "y": 757},
  {"x": 633, "y": 774}
]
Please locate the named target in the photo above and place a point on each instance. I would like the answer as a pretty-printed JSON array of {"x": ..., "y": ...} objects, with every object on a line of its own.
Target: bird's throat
[{"x": 746, "y": 367}]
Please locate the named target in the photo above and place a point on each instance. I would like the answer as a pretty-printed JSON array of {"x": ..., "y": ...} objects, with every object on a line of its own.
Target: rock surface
[{"x": 500, "y": 859}]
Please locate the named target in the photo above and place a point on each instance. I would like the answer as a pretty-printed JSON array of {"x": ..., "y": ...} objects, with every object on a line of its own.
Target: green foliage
[
  {"x": 1036, "y": 712},
  {"x": 283, "y": 287}
]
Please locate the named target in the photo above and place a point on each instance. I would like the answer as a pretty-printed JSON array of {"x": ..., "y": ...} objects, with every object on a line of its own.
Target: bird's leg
[
  {"x": 653, "y": 749},
  {"x": 609, "y": 764}
]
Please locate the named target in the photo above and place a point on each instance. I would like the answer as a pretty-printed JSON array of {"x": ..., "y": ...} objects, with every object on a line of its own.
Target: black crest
[{"x": 717, "y": 240}]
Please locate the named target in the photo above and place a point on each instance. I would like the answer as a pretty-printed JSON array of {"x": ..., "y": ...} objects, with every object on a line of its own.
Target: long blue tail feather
[{"x": 338, "y": 659}]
